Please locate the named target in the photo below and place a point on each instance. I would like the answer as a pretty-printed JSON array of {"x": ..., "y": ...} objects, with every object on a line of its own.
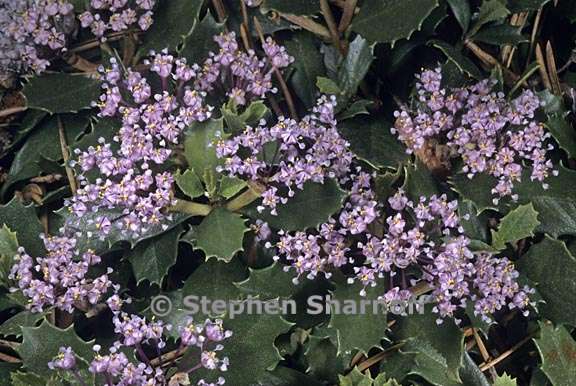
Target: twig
[
  {"x": 189, "y": 207},
  {"x": 552, "y": 71},
  {"x": 505, "y": 354},
  {"x": 535, "y": 29},
  {"x": 66, "y": 156},
  {"x": 308, "y": 25},
  {"x": 489, "y": 60},
  {"x": 279, "y": 78},
  {"x": 80, "y": 63},
  {"x": 250, "y": 195},
  {"x": 9, "y": 358},
  {"x": 334, "y": 34},
  {"x": 12, "y": 110},
  {"x": 220, "y": 10},
  {"x": 347, "y": 15},
  {"x": 378, "y": 357},
  {"x": 9, "y": 343},
  {"x": 484, "y": 352},
  {"x": 167, "y": 358},
  {"x": 245, "y": 26},
  {"x": 542, "y": 67}
]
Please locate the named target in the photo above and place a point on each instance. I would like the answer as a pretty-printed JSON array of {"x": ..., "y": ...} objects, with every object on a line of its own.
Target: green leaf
[
  {"x": 355, "y": 66},
  {"x": 454, "y": 55},
  {"x": 327, "y": 86},
  {"x": 439, "y": 347},
  {"x": 190, "y": 183},
  {"x": 152, "y": 258},
  {"x": 323, "y": 360},
  {"x": 471, "y": 374},
  {"x": 475, "y": 226},
  {"x": 504, "y": 380},
  {"x": 41, "y": 344},
  {"x": 558, "y": 352},
  {"x": 252, "y": 343},
  {"x": 285, "y": 376},
  {"x": 8, "y": 249},
  {"x": 500, "y": 35},
  {"x": 230, "y": 186},
  {"x": 295, "y": 7},
  {"x": 268, "y": 283},
  {"x": 13, "y": 326},
  {"x": 199, "y": 145},
  {"x": 371, "y": 140},
  {"x": 22, "y": 220},
  {"x": 490, "y": 10},
  {"x": 356, "y": 108},
  {"x": 401, "y": 18},
  {"x": 308, "y": 66},
  {"x": 548, "y": 264},
  {"x": 558, "y": 124},
  {"x": 419, "y": 181},
  {"x": 173, "y": 22},
  {"x": 220, "y": 234},
  {"x": 357, "y": 328},
  {"x": 309, "y": 207},
  {"x": 519, "y": 224},
  {"x": 61, "y": 93},
  {"x": 44, "y": 144},
  {"x": 461, "y": 10},
  {"x": 356, "y": 378},
  {"x": 201, "y": 41},
  {"x": 87, "y": 238}
]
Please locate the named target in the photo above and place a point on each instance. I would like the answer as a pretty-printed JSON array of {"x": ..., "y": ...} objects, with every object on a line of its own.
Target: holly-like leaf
[
  {"x": 323, "y": 360},
  {"x": 41, "y": 344},
  {"x": 505, "y": 380},
  {"x": 516, "y": 6},
  {"x": 371, "y": 140},
  {"x": 8, "y": 249},
  {"x": 516, "y": 225},
  {"x": 201, "y": 41},
  {"x": 190, "y": 183},
  {"x": 173, "y": 22},
  {"x": 230, "y": 186},
  {"x": 61, "y": 93},
  {"x": 490, "y": 10},
  {"x": 357, "y": 328},
  {"x": 309, "y": 207},
  {"x": 13, "y": 326},
  {"x": 152, "y": 258},
  {"x": 252, "y": 342},
  {"x": 548, "y": 264},
  {"x": 455, "y": 56},
  {"x": 461, "y": 10},
  {"x": 419, "y": 181},
  {"x": 357, "y": 378},
  {"x": 558, "y": 352},
  {"x": 500, "y": 35},
  {"x": 401, "y": 18},
  {"x": 220, "y": 234},
  {"x": 23, "y": 221},
  {"x": 439, "y": 347},
  {"x": 268, "y": 283},
  {"x": 308, "y": 66},
  {"x": 199, "y": 145},
  {"x": 355, "y": 65},
  {"x": 559, "y": 125},
  {"x": 89, "y": 237}
]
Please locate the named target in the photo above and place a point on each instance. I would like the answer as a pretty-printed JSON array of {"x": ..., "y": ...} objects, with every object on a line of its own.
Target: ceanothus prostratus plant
[{"x": 231, "y": 150}]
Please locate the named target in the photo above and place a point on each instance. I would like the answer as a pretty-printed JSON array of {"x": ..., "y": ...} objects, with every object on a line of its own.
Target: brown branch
[
  {"x": 347, "y": 15},
  {"x": 9, "y": 358},
  {"x": 484, "y": 352},
  {"x": 12, "y": 110},
  {"x": 66, "y": 156},
  {"x": 378, "y": 357},
  {"x": 80, "y": 63},
  {"x": 509, "y": 77},
  {"x": 542, "y": 67},
  {"x": 308, "y": 24},
  {"x": 505, "y": 354},
  {"x": 329, "y": 17},
  {"x": 220, "y": 10},
  {"x": 552, "y": 71}
]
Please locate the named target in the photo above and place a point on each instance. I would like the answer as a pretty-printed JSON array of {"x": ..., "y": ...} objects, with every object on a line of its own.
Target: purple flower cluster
[
  {"x": 31, "y": 32},
  {"x": 422, "y": 242},
  {"x": 491, "y": 134},
  {"x": 117, "y": 15},
  {"x": 151, "y": 124},
  {"x": 59, "y": 278},
  {"x": 135, "y": 331},
  {"x": 308, "y": 150},
  {"x": 243, "y": 75}
]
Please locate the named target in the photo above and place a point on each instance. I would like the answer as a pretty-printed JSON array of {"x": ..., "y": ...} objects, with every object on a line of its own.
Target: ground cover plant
[{"x": 274, "y": 192}]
